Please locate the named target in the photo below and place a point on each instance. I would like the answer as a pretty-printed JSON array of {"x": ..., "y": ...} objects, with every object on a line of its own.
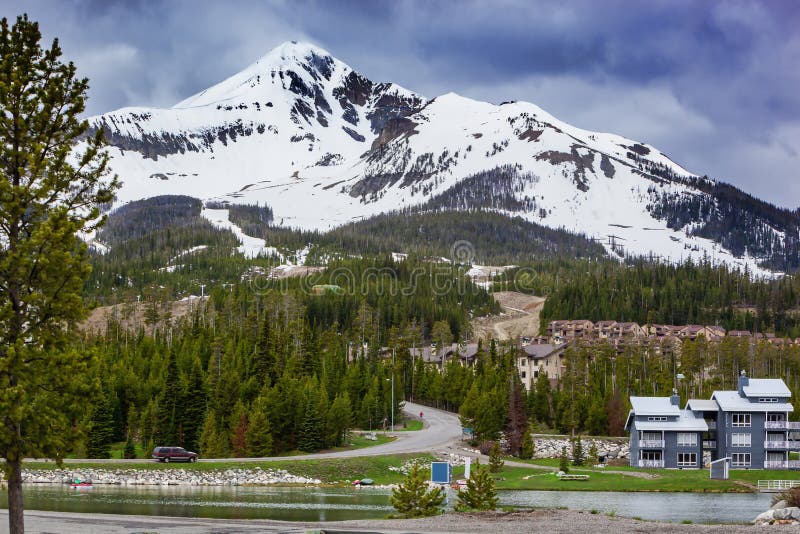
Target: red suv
[{"x": 173, "y": 454}]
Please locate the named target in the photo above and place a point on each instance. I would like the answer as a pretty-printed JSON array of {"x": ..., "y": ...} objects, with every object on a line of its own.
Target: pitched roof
[
  {"x": 702, "y": 405},
  {"x": 540, "y": 350},
  {"x": 687, "y": 421},
  {"x": 730, "y": 401},
  {"x": 654, "y": 406},
  {"x": 766, "y": 387}
]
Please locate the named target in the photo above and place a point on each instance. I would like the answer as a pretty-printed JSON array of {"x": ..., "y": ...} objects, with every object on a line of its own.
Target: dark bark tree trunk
[{"x": 16, "y": 520}]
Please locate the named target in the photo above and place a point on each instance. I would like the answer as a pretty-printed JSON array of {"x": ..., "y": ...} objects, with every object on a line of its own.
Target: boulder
[
  {"x": 782, "y": 513},
  {"x": 778, "y": 505},
  {"x": 766, "y": 517}
]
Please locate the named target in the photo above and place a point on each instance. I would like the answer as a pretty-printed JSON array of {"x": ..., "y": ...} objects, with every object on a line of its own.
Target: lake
[{"x": 332, "y": 504}]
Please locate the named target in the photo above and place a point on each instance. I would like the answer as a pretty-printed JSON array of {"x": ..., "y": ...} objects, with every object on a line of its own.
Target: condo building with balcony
[
  {"x": 750, "y": 426},
  {"x": 664, "y": 435}
]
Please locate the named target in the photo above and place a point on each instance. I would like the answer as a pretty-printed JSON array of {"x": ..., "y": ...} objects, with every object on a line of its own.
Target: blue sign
[{"x": 441, "y": 472}]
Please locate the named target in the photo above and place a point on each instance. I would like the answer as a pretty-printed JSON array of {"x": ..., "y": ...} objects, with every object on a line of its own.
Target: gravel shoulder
[{"x": 551, "y": 521}]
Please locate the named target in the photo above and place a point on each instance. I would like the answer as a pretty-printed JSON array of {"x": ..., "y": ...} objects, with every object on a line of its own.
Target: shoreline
[
  {"x": 157, "y": 475},
  {"x": 549, "y": 520}
]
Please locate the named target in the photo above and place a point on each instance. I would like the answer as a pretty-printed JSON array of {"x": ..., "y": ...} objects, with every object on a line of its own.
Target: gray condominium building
[{"x": 750, "y": 426}]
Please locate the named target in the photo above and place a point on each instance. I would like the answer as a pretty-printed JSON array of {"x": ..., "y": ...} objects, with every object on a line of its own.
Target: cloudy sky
[{"x": 715, "y": 85}]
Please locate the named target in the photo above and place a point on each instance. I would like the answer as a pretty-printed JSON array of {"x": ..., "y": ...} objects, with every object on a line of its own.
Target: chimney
[
  {"x": 743, "y": 381},
  {"x": 675, "y": 399}
]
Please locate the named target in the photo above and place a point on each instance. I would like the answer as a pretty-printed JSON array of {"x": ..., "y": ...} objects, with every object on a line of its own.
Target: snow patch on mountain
[
  {"x": 251, "y": 247},
  {"x": 324, "y": 146}
]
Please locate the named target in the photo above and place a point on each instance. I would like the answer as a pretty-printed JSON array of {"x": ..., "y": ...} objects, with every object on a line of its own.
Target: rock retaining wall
[
  {"x": 551, "y": 447},
  {"x": 167, "y": 477}
]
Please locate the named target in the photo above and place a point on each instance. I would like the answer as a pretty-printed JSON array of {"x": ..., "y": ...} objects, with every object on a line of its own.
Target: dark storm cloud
[{"x": 716, "y": 85}]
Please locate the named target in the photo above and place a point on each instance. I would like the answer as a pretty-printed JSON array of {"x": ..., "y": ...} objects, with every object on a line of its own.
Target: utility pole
[{"x": 392, "y": 389}]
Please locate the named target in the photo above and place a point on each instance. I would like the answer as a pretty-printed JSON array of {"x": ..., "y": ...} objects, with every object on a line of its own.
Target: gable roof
[
  {"x": 687, "y": 421},
  {"x": 766, "y": 387},
  {"x": 702, "y": 405},
  {"x": 654, "y": 406},
  {"x": 731, "y": 401}
]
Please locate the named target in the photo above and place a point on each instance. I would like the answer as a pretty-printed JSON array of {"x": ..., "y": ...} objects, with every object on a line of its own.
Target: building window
[
  {"x": 687, "y": 439},
  {"x": 768, "y": 399},
  {"x": 687, "y": 459},
  {"x": 740, "y": 459},
  {"x": 740, "y": 419},
  {"x": 523, "y": 362},
  {"x": 776, "y": 417},
  {"x": 522, "y": 374},
  {"x": 740, "y": 440},
  {"x": 649, "y": 436},
  {"x": 658, "y": 418},
  {"x": 650, "y": 455}
]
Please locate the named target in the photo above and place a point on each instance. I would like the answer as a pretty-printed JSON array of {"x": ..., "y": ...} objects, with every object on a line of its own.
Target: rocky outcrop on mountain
[{"x": 277, "y": 122}]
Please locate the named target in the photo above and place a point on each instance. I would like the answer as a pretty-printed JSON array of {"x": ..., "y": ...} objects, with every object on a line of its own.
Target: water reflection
[{"x": 336, "y": 504}]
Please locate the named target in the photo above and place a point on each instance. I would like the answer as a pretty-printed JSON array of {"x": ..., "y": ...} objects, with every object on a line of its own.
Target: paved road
[{"x": 441, "y": 429}]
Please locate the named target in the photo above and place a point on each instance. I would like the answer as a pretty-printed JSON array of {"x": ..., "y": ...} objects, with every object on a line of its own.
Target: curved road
[{"x": 441, "y": 429}]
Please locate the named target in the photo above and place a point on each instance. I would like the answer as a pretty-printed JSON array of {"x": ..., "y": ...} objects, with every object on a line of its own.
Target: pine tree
[
  {"x": 412, "y": 498},
  {"x": 311, "y": 430},
  {"x": 577, "y": 451},
  {"x": 168, "y": 413},
  {"x": 528, "y": 448},
  {"x": 480, "y": 493},
  {"x": 259, "y": 433},
  {"x": 48, "y": 196},
  {"x": 129, "y": 451},
  {"x": 339, "y": 420},
  {"x": 593, "y": 454},
  {"x": 542, "y": 400},
  {"x": 517, "y": 420},
  {"x": 496, "y": 461},
  {"x": 193, "y": 407},
  {"x": 563, "y": 460},
  {"x": 101, "y": 433}
]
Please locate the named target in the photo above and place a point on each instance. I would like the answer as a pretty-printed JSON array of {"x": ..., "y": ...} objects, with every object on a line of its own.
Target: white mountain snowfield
[{"x": 323, "y": 146}]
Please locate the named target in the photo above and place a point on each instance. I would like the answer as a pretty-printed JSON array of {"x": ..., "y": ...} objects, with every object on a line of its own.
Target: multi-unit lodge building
[{"x": 750, "y": 426}]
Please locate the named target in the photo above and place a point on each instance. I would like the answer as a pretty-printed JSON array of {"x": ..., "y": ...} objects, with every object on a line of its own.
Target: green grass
[
  {"x": 690, "y": 480},
  {"x": 329, "y": 470},
  {"x": 409, "y": 426}
]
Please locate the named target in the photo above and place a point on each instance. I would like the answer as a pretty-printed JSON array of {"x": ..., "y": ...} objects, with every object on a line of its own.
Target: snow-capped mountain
[{"x": 323, "y": 146}]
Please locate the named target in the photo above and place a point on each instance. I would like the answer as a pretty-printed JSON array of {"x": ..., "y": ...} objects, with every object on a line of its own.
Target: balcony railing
[
  {"x": 709, "y": 444},
  {"x": 770, "y": 444},
  {"x": 649, "y": 464},
  {"x": 782, "y": 464},
  {"x": 651, "y": 444},
  {"x": 782, "y": 425}
]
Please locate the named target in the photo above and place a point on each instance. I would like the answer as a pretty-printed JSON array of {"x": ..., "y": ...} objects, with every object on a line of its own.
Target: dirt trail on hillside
[
  {"x": 132, "y": 315},
  {"x": 520, "y": 317}
]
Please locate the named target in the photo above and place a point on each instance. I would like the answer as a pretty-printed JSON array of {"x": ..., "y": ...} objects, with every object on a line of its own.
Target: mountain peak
[
  {"x": 297, "y": 50},
  {"x": 295, "y": 56}
]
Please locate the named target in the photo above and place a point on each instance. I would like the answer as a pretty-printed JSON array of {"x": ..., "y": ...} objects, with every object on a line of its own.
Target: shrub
[
  {"x": 412, "y": 498},
  {"x": 495, "y": 459},
  {"x": 791, "y": 496},
  {"x": 563, "y": 463},
  {"x": 527, "y": 450},
  {"x": 480, "y": 493},
  {"x": 577, "y": 451}
]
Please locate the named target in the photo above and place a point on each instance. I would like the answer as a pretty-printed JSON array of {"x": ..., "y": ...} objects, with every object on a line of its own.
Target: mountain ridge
[{"x": 323, "y": 145}]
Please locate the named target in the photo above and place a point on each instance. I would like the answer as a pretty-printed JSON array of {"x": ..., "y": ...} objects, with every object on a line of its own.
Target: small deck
[{"x": 776, "y": 486}]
